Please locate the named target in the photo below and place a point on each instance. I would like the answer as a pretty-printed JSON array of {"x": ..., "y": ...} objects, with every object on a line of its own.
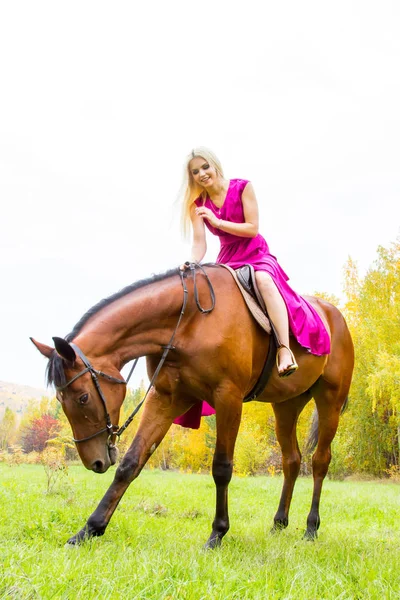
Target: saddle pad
[{"x": 252, "y": 305}]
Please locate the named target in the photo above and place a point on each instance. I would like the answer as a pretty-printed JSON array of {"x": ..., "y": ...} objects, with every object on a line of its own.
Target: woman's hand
[
  {"x": 185, "y": 266},
  {"x": 206, "y": 213}
]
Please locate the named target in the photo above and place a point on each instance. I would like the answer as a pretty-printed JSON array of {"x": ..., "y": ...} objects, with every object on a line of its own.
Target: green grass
[{"x": 153, "y": 545}]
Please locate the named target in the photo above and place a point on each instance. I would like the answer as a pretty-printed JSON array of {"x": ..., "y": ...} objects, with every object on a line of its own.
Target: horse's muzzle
[
  {"x": 100, "y": 466},
  {"x": 110, "y": 458}
]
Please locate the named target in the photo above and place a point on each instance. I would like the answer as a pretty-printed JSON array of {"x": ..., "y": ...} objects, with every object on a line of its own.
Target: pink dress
[{"x": 304, "y": 322}]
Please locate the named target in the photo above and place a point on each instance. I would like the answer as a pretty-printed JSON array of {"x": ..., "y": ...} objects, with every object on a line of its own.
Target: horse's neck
[{"x": 135, "y": 325}]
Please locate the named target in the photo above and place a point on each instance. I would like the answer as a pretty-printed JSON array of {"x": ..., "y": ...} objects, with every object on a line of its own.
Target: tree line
[{"x": 368, "y": 439}]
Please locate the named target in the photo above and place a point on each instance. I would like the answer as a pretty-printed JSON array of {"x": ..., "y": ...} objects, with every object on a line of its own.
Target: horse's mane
[
  {"x": 55, "y": 367},
  {"x": 107, "y": 301}
]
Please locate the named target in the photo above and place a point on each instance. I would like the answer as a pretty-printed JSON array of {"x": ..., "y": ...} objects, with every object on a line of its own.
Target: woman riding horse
[
  {"x": 229, "y": 210},
  {"x": 196, "y": 355}
]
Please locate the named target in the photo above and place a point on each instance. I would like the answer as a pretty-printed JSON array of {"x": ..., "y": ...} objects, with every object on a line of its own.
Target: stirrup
[{"x": 291, "y": 368}]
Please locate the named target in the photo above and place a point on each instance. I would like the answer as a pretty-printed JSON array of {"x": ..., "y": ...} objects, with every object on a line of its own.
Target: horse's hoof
[
  {"x": 274, "y": 530},
  {"x": 70, "y": 544},
  {"x": 278, "y": 526},
  {"x": 84, "y": 534},
  {"x": 310, "y": 536},
  {"x": 212, "y": 543},
  {"x": 75, "y": 540}
]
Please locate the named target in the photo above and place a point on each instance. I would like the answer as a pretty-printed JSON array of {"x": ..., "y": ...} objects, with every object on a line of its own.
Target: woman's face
[{"x": 202, "y": 172}]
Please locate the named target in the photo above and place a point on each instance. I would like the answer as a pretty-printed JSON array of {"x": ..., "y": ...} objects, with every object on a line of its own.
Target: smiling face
[{"x": 203, "y": 173}]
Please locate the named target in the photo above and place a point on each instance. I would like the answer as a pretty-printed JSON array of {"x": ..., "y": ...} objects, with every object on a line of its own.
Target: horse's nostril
[{"x": 98, "y": 466}]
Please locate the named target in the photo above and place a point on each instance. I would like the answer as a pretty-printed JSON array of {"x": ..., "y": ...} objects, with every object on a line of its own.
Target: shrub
[
  {"x": 54, "y": 465},
  {"x": 251, "y": 452}
]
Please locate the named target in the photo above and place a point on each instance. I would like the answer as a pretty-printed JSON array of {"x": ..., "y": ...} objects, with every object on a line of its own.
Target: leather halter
[
  {"x": 110, "y": 428},
  {"x": 114, "y": 430}
]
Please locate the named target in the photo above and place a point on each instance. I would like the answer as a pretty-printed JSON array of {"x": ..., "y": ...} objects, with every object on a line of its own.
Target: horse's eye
[{"x": 83, "y": 399}]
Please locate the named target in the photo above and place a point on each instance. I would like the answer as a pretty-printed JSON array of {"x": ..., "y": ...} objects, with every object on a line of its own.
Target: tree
[
  {"x": 36, "y": 434},
  {"x": 8, "y": 427},
  {"x": 369, "y": 440}
]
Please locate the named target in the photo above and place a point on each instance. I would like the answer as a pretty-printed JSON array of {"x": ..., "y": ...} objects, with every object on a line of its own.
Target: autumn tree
[
  {"x": 369, "y": 439},
  {"x": 38, "y": 432},
  {"x": 8, "y": 427}
]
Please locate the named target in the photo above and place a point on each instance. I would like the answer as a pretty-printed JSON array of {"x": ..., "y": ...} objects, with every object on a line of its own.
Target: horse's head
[{"x": 91, "y": 397}]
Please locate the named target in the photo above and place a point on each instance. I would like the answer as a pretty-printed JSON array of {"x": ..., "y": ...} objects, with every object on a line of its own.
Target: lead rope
[
  {"x": 192, "y": 266},
  {"x": 167, "y": 348},
  {"x": 135, "y": 362}
]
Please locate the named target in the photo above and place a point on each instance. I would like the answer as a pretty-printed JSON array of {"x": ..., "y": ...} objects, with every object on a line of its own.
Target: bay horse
[{"x": 215, "y": 356}]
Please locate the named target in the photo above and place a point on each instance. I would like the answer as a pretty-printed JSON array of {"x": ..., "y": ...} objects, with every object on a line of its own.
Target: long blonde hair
[{"x": 190, "y": 191}]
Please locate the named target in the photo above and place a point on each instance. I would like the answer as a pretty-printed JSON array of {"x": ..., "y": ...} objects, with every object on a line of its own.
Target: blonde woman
[{"x": 229, "y": 209}]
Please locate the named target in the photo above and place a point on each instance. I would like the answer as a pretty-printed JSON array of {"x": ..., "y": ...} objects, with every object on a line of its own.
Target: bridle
[
  {"x": 89, "y": 368},
  {"x": 113, "y": 430}
]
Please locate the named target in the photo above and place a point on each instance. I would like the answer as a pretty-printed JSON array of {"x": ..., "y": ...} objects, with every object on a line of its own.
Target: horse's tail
[{"x": 312, "y": 440}]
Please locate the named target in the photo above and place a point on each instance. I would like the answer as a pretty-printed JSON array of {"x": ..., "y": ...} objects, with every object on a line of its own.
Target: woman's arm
[
  {"x": 250, "y": 208},
  {"x": 199, "y": 244}
]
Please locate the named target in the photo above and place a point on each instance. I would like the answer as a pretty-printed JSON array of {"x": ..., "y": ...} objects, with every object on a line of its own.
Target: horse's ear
[
  {"x": 64, "y": 350},
  {"x": 47, "y": 351}
]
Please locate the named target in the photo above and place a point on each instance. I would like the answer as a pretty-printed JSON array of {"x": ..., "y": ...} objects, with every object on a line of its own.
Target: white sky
[{"x": 101, "y": 101}]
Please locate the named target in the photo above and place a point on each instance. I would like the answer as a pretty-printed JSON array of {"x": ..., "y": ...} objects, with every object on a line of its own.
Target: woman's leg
[{"x": 277, "y": 312}]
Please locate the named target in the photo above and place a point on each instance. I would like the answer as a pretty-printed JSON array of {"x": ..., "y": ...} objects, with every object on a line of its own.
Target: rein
[{"x": 114, "y": 430}]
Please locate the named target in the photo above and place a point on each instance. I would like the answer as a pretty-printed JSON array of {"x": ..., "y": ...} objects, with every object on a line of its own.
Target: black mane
[
  {"x": 124, "y": 292},
  {"x": 55, "y": 367}
]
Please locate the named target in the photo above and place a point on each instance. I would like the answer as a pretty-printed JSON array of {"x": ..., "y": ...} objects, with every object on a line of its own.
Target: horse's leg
[
  {"x": 286, "y": 417},
  {"x": 329, "y": 400},
  {"x": 158, "y": 415},
  {"x": 228, "y": 420}
]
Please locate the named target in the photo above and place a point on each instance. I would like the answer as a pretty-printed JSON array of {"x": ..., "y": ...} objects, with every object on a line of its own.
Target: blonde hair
[{"x": 190, "y": 191}]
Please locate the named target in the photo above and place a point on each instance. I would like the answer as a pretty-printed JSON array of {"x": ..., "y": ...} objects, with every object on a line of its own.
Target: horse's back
[{"x": 242, "y": 342}]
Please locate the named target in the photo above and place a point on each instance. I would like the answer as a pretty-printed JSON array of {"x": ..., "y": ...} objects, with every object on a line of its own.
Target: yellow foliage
[
  {"x": 370, "y": 430},
  {"x": 394, "y": 473}
]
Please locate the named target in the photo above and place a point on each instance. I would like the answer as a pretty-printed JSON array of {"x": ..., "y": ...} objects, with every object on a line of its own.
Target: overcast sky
[{"x": 101, "y": 101}]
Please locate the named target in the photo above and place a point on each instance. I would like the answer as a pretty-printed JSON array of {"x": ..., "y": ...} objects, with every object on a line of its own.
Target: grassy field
[{"x": 153, "y": 545}]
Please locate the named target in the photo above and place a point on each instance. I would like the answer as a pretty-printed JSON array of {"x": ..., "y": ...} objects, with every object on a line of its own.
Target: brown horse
[{"x": 215, "y": 357}]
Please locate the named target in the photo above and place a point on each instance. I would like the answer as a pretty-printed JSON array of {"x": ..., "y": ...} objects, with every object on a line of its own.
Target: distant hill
[{"x": 17, "y": 396}]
